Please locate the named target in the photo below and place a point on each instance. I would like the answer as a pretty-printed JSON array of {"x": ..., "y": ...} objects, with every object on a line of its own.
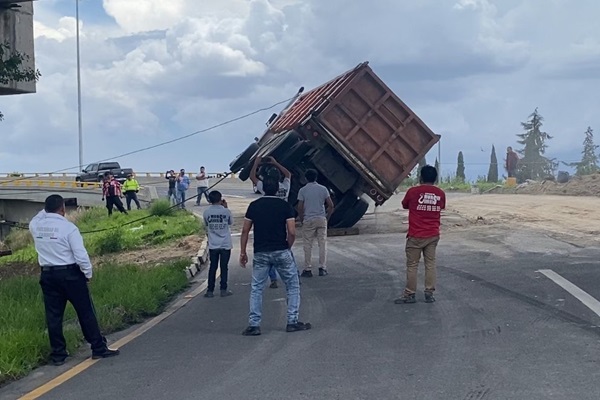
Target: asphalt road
[{"x": 499, "y": 330}]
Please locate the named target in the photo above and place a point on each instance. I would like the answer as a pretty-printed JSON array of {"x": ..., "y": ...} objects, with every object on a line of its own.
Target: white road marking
[{"x": 589, "y": 301}]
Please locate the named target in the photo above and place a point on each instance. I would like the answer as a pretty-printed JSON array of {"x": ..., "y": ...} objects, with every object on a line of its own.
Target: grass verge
[
  {"x": 122, "y": 294},
  {"x": 161, "y": 226}
]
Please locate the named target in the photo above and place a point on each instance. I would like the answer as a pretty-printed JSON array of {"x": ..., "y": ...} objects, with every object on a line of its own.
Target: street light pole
[{"x": 79, "y": 88}]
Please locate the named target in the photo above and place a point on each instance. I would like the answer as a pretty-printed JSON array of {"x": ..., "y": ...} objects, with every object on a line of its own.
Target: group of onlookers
[{"x": 180, "y": 183}]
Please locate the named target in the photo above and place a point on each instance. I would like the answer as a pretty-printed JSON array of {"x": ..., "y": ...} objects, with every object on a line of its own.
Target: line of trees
[{"x": 533, "y": 163}]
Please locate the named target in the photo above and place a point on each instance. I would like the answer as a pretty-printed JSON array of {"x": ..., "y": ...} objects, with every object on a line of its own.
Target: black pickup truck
[{"x": 95, "y": 172}]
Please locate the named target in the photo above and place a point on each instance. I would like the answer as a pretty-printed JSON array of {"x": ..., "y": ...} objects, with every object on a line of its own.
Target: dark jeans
[
  {"x": 202, "y": 190},
  {"x": 114, "y": 201},
  {"x": 218, "y": 256},
  {"x": 132, "y": 196},
  {"x": 70, "y": 285}
]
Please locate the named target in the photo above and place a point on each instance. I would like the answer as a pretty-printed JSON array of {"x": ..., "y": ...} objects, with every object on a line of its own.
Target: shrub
[
  {"x": 18, "y": 239},
  {"x": 109, "y": 242},
  {"x": 161, "y": 208}
]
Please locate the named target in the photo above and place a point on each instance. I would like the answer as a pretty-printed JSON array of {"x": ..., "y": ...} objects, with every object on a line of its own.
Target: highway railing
[
  {"x": 53, "y": 184},
  {"x": 17, "y": 175}
]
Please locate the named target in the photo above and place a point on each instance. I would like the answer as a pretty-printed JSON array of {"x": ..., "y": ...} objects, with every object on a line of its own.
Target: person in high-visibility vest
[{"x": 131, "y": 187}]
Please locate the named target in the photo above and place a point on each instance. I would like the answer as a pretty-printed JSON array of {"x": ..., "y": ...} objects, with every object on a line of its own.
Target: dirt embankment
[
  {"x": 588, "y": 185},
  {"x": 575, "y": 217}
]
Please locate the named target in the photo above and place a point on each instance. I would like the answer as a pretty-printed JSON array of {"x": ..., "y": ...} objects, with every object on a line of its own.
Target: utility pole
[{"x": 79, "y": 88}]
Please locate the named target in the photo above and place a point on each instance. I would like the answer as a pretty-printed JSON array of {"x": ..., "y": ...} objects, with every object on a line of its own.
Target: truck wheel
[
  {"x": 240, "y": 161},
  {"x": 245, "y": 173},
  {"x": 342, "y": 207},
  {"x": 353, "y": 215}
]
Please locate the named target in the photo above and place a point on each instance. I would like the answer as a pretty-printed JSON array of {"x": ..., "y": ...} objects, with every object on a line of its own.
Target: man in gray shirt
[
  {"x": 218, "y": 221},
  {"x": 313, "y": 215}
]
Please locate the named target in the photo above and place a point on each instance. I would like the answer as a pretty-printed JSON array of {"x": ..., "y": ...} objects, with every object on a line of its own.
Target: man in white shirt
[
  {"x": 66, "y": 272},
  {"x": 284, "y": 182},
  {"x": 202, "y": 186},
  {"x": 312, "y": 199}
]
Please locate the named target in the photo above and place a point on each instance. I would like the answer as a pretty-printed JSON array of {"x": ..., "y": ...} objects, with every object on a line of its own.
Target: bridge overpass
[{"x": 23, "y": 195}]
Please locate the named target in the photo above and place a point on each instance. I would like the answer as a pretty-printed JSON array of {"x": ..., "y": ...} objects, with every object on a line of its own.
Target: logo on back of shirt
[
  {"x": 282, "y": 192},
  {"x": 428, "y": 202}
]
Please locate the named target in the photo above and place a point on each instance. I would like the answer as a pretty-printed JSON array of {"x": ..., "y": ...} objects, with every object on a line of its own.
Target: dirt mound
[{"x": 588, "y": 185}]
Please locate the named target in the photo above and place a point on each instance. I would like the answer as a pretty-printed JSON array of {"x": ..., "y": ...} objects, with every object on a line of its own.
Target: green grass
[
  {"x": 123, "y": 295},
  {"x": 161, "y": 226}
]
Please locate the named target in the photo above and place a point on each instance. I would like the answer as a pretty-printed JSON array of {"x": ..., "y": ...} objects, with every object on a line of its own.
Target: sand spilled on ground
[{"x": 576, "y": 217}]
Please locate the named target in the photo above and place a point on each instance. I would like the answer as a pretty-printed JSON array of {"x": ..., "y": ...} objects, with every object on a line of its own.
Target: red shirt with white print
[{"x": 424, "y": 204}]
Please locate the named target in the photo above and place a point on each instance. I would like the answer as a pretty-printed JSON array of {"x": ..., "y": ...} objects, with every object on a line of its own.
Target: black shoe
[
  {"x": 226, "y": 293},
  {"x": 209, "y": 294},
  {"x": 58, "y": 363},
  {"x": 251, "y": 331},
  {"x": 406, "y": 299},
  {"x": 298, "y": 326},
  {"x": 107, "y": 353},
  {"x": 323, "y": 272},
  {"x": 273, "y": 285},
  {"x": 307, "y": 273},
  {"x": 429, "y": 298}
]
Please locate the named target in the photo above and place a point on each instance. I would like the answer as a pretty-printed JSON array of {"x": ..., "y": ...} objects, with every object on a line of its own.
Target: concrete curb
[{"x": 198, "y": 261}]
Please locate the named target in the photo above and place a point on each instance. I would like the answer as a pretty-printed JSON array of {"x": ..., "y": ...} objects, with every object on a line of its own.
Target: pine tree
[
  {"x": 533, "y": 164},
  {"x": 492, "y": 175},
  {"x": 589, "y": 158},
  {"x": 460, "y": 169}
]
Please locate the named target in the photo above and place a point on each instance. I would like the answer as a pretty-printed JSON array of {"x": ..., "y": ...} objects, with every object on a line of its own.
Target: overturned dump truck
[{"x": 360, "y": 137}]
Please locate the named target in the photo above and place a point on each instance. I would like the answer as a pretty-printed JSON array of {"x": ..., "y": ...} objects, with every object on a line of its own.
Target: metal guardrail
[
  {"x": 55, "y": 184},
  {"x": 17, "y": 175}
]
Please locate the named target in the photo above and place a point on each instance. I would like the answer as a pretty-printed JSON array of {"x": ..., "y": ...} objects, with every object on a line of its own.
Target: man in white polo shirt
[
  {"x": 66, "y": 271},
  {"x": 313, "y": 215}
]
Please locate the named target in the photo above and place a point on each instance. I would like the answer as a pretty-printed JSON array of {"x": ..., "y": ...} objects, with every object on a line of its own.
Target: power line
[{"x": 230, "y": 121}]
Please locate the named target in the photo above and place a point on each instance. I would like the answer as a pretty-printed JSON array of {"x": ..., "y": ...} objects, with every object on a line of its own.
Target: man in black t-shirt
[{"x": 274, "y": 225}]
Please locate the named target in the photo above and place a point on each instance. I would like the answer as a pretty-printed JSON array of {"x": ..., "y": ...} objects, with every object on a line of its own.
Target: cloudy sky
[{"x": 155, "y": 70}]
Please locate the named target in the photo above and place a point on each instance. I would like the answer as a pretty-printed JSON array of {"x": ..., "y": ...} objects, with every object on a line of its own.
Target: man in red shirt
[
  {"x": 425, "y": 203},
  {"x": 111, "y": 191}
]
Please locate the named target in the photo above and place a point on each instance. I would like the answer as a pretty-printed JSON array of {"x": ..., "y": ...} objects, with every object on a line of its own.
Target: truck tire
[
  {"x": 242, "y": 160},
  {"x": 353, "y": 215},
  {"x": 245, "y": 173},
  {"x": 342, "y": 207}
]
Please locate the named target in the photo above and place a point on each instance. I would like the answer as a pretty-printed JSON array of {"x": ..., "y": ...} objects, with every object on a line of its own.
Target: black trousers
[
  {"x": 132, "y": 196},
  {"x": 70, "y": 285},
  {"x": 114, "y": 201},
  {"x": 218, "y": 256}
]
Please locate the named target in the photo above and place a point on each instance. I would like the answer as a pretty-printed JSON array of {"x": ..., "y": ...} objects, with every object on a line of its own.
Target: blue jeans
[
  {"x": 272, "y": 274},
  {"x": 283, "y": 261},
  {"x": 181, "y": 198}
]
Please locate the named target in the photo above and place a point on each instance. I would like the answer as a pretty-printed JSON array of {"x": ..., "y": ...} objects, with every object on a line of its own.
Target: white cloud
[{"x": 472, "y": 69}]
